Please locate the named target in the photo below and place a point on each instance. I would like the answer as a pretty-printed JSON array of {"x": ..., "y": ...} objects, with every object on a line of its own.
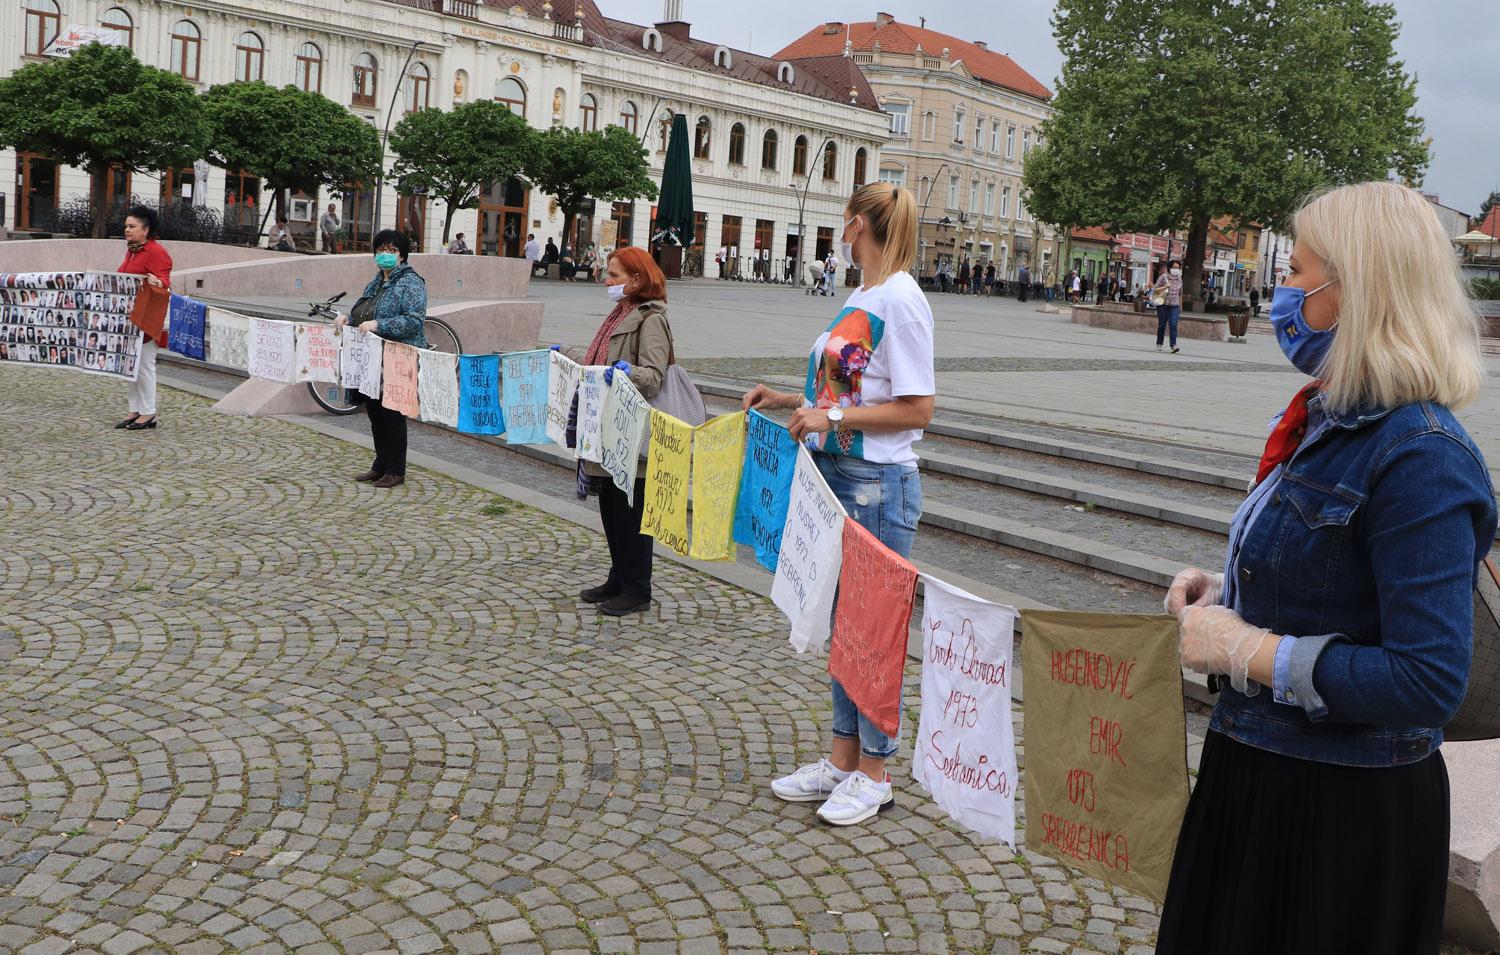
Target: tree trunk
[
  {"x": 1192, "y": 260},
  {"x": 98, "y": 195},
  {"x": 448, "y": 219},
  {"x": 569, "y": 219}
]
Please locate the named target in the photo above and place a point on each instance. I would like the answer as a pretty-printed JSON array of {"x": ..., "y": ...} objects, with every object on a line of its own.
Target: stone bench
[{"x": 1123, "y": 317}]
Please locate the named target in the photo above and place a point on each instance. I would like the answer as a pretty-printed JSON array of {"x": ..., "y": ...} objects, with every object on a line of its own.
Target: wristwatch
[{"x": 835, "y": 417}]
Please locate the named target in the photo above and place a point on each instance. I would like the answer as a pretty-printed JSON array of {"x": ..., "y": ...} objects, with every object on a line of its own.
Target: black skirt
[{"x": 1292, "y": 857}]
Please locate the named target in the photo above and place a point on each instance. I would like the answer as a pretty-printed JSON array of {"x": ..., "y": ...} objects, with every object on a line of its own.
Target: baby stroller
[{"x": 821, "y": 280}]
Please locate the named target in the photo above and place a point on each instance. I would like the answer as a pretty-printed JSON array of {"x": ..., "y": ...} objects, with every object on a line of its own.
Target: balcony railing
[
  {"x": 452, "y": 8},
  {"x": 568, "y": 32}
]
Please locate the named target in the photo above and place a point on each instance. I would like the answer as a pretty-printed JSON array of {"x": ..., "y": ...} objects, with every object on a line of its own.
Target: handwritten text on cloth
[
  {"x": 317, "y": 353},
  {"x": 360, "y": 358},
  {"x": 666, "y": 509},
  {"x": 399, "y": 379},
  {"x": 627, "y": 413},
  {"x": 765, "y": 488},
  {"x": 479, "y": 395},
  {"x": 718, "y": 453},
  {"x": 562, "y": 384},
  {"x": 273, "y": 350},
  {"x": 965, "y": 754},
  {"x": 437, "y": 386},
  {"x": 593, "y": 402},
  {"x": 812, "y": 550},
  {"x": 523, "y": 377},
  {"x": 228, "y": 339},
  {"x": 185, "y": 326},
  {"x": 1106, "y": 751},
  {"x": 868, "y": 652}
]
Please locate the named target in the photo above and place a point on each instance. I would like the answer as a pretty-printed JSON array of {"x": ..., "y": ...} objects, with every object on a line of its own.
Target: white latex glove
[
  {"x": 1193, "y": 588},
  {"x": 1216, "y": 640}
]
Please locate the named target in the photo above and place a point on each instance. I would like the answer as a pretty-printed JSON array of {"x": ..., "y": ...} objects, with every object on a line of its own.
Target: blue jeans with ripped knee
[{"x": 886, "y": 500}]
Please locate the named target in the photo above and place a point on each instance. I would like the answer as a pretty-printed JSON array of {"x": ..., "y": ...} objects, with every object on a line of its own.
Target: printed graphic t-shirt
[{"x": 879, "y": 348}]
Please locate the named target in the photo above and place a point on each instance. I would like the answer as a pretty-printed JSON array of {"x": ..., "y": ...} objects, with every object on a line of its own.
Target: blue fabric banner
[
  {"x": 479, "y": 395},
  {"x": 765, "y": 488},
  {"x": 185, "y": 320},
  {"x": 523, "y": 377}
]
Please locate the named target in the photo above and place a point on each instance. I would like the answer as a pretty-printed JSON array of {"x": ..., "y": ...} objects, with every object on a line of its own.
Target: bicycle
[{"x": 333, "y": 397}]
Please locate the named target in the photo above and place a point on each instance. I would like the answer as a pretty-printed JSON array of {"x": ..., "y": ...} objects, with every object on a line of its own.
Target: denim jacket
[
  {"x": 1365, "y": 552},
  {"x": 399, "y": 312}
]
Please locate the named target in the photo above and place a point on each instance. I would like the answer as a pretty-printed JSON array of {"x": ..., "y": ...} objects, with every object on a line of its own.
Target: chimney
[
  {"x": 676, "y": 29},
  {"x": 832, "y": 28},
  {"x": 883, "y": 20},
  {"x": 981, "y": 44}
]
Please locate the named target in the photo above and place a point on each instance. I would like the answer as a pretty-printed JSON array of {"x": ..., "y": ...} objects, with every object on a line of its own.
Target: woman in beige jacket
[{"x": 634, "y": 340}]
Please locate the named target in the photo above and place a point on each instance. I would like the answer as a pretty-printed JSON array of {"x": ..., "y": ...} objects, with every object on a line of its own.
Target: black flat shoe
[
  {"x": 127, "y": 422},
  {"x": 622, "y": 604},
  {"x": 139, "y": 425},
  {"x": 599, "y": 594},
  {"x": 370, "y": 475}
]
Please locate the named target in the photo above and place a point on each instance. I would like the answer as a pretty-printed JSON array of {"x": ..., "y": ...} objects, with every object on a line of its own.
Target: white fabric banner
[
  {"x": 317, "y": 353},
  {"x": 360, "y": 361},
  {"x": 273, "y": 350},
  {"x": 562, "y": 384},
  {"x": 228, "y": 339},
  {"x": 624, "y": 427},
  {"x": 593, "y": 405},
  {"x": 812, "y": 552},
  {"x": 437, "y": 386},
  {"x": 965, "y": 752}
]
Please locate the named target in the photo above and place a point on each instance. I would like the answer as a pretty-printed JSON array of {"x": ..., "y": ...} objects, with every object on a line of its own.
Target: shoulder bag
[{"x": 677, "y": 396}]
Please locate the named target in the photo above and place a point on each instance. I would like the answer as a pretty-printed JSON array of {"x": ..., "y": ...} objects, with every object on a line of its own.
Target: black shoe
[
  {"x": 370, "y": 475},
  {"x": 127, "y": 422},
  {"x": 139, "y": 425},
  {"x": 389, "y": 481},
  {"x": 599, "y": 594},
  {"x": 622, "y": 604}
]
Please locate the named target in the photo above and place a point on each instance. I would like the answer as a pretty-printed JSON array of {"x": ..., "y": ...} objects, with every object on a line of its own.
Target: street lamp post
[
  {"x": 922, "y": 217},
  {"x": 801, "y": 212},
  {"x": 385, "y": 133}
]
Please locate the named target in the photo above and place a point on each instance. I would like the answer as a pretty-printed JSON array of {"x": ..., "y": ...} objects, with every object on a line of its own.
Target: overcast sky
[{"x": 1449, "y": 44}]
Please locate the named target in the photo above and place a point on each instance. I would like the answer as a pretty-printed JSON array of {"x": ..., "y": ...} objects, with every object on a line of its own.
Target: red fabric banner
[
  {"x": 868, "y": 652},
  {"x": 150, "y": 312}
]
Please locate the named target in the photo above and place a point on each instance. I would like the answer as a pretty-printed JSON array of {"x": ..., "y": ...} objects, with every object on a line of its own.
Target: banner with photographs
[{"x": 77, "y": 320}]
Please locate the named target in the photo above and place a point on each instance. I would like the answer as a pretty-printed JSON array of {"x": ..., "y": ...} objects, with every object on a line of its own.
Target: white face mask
[
  {"x": 846, "y": 249},
  {"x": 615, "y": 292},
  {"x": 1177, "y": 271}
]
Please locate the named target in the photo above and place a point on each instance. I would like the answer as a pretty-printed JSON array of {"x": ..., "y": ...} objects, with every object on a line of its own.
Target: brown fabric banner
[{"x": 1106, "y": 744}]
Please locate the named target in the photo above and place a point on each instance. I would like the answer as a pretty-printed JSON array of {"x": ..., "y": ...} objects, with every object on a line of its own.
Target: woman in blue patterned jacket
[{"x": 393, "y": 306}]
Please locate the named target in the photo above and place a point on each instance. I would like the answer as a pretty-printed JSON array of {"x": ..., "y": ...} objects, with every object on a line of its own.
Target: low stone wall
[
  {"x": 71, "y": 255},
  {"x": 319, "y": 276},
  {"x": 1124, "y": 318}
]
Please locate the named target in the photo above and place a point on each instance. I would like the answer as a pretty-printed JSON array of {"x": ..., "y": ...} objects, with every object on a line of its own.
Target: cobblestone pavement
[{"x": 250, "y": 706}]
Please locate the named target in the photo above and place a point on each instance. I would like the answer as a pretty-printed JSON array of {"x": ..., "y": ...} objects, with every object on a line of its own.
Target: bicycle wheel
[
  {"x": 332, "y": 397},
  {"x": 441, "y": 336}
]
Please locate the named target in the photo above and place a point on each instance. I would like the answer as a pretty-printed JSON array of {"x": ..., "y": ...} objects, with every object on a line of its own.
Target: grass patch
[{"x": 499, "y": 507}]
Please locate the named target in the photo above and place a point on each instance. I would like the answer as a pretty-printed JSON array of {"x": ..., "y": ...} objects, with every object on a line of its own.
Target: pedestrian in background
[
  {"x": 280, "y": 238},
  {"x": 1023, "y": 282},
  {"x": 1255, "y": 302},
  {"x": 1168, "y": 288},
  {"x": 943, "y": 273},
  {"x": 976, "y": 278},
  {"x": 144, "y": 255},
  {"x": 871, "y": 385},
  {"x": 533, "y": 253},
  {"x": 328, "y": 224},
  {"x": 393, "y": 306},
  {"x": 830, "y": 269},
  {"x": 989, "y": 279},
  {"x": 963, "y": 276},
  {"x": 1344, "y": 617},
  {"x": 459, "y": 247}
]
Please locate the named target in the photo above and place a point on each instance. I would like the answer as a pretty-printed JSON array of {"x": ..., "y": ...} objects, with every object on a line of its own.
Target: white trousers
[{"x": 143, "y": 389}]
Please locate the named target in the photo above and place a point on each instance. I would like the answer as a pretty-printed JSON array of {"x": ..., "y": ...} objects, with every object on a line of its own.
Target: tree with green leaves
[
  {"x": 454, "y": 155},
  {"x": 575, "y": 166},
  {"x": 102, "y": 108},
  {"x": 1168, "y": 115},
  {"x": 290, "y": 138},
  {"x": 1488, "y": 204}
]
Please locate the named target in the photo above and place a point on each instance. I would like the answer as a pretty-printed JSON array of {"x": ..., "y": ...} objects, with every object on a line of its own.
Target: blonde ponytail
[{"x": 890, "y": 213}]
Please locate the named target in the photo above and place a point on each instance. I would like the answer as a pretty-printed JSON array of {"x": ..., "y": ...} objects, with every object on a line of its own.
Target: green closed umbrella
[{"x": 674, "y": 210}]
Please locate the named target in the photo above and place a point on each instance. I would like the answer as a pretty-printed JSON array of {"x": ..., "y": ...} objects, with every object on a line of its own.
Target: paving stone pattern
[{"x": 249, "y": 706}]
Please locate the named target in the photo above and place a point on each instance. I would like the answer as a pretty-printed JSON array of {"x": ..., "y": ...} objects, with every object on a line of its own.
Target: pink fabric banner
[
  {"x": 399, "y": 379},
  {"x": 868, "y": 654}
]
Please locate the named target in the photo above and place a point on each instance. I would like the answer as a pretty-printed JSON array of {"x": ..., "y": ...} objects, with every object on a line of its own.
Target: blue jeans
[
  {"x": 1166, "y": 316},
  {"x": 886, "y": 500}
]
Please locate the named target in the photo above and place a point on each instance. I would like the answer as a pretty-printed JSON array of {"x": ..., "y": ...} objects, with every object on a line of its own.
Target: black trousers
[
  {"x": 388, "y": 430},
  {"x": 629, "y": 549}
]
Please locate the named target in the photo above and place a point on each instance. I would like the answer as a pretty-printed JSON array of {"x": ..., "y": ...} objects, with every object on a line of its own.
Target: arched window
[
  {"x": 510, "y": 92},
  {"x": 588, "y": 113},
  {"x": 366, "y": 72},
  {"x": 799, "y": 156},
  {"x": 249, "y": 57},
  {"x": 831, "y": 162},
  {"x": 768, "y": 150},
  {"x": 43, "y": 21},
  {"x": 310, "y": 68},
  {"x": 722, "y": 58},
  {"x": 785, "y": 73},
  {"x": 418, "y": 88},
  {"x": 630, "y": 117},
  {"x": 929, "y": 125},
  {"x": 859, "y": 167},
  {"x": 702, "y": 138},
  {"x": 187, "y": 49},
  {"x": 118, "y": 20},
  {"x": 651, "y": 40},
  {"x": 737, "y": 144}
]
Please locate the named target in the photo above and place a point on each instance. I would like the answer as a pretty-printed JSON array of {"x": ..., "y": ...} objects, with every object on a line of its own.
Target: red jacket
[{"x": 151, "y": 259}]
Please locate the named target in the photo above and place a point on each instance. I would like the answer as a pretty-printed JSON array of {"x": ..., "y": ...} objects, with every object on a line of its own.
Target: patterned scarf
[{"x": 1287, "y": 436}]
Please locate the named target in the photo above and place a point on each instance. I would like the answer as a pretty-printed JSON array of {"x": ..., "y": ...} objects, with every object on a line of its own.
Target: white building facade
[{"x": 573, "y": 68}]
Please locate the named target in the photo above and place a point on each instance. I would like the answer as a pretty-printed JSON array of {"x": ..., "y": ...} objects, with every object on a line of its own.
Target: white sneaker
[
  {"x": 811, "y": 783},
  {"x": 1158, "y": 348},
  {"x": 856, "y": 799}
]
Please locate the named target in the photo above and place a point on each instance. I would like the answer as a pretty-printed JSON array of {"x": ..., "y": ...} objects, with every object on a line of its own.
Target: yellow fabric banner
[
  {"x": 718, "y": 455},
  {"x": 666, "y": 509}
]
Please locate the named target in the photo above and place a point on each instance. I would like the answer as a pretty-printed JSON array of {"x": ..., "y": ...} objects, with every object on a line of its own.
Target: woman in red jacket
[{"x": 144, "y": 256}]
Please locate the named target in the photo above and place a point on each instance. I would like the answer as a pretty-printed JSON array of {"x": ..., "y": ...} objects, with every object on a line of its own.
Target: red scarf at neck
[
  {"x": 598, "y": 353},
  {"x": 1287, "y": 436}
]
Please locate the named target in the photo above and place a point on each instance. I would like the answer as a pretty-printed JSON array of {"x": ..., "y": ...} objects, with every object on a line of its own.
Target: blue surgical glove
[
  {"x": 609, "y": 373},
  {"x": 555, "y": 348}
]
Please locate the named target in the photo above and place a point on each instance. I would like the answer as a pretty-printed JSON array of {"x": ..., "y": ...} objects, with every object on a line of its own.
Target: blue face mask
[
  {"x": 387, "y": 260},
  {"x": 1304, "y": 346}
]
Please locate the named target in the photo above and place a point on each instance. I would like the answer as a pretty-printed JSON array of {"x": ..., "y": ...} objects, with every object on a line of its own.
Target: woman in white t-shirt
[{"x": 867, "y": 401}]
